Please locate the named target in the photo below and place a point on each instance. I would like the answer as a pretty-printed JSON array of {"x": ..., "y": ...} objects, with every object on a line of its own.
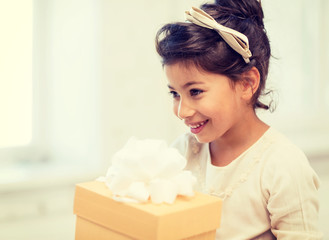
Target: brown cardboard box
[{"x": 99, "y": 217}]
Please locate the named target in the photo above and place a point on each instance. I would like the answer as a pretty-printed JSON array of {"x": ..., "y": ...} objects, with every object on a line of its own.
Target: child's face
[{"x": 208, "y": 103}]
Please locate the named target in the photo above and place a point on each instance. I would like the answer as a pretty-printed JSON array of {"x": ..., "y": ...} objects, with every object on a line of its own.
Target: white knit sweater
[{"x": 269, "y": 191}]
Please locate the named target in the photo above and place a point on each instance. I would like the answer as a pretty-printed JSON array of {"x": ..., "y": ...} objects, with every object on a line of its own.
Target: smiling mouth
[{"x": 196, "y": 128}]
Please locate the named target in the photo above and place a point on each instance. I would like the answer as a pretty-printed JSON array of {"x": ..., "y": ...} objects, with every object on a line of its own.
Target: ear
[{"x": 249, "y": 83}]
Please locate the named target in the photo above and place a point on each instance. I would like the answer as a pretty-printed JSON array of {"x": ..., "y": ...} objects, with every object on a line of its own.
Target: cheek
[{"x": 217, "y": 112}]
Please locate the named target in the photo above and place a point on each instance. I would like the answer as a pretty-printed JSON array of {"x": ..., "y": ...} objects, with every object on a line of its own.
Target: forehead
[{"x": 179, "y": 75}]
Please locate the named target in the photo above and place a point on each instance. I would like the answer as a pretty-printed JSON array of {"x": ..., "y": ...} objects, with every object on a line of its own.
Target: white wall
[
  {"x": 134, "y": 92},
  {"x": 299, "y": 73},
  {"x": 67, "y": 77},
  {"x": 99, "y": 77}
]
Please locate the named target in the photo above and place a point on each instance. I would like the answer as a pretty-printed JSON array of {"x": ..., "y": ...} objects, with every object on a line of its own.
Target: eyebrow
[{"x": 187, "y": 84}]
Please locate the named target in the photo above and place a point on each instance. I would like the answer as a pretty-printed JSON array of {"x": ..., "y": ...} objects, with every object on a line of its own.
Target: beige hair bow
[{"x": 236, "y": 40}]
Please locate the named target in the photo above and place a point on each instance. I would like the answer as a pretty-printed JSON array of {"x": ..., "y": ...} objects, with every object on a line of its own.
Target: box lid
[{"x": 185, "y": 218}]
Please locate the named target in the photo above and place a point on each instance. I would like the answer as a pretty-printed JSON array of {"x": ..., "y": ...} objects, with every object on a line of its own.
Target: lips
[{"x": 197, "y": 127}]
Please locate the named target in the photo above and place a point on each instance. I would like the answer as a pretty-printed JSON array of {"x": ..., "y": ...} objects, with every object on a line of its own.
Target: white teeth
[{"x": 198, "y": 125}]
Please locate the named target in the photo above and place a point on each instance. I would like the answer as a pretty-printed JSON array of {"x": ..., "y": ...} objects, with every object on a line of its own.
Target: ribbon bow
[{"x": 236, "y": 40}]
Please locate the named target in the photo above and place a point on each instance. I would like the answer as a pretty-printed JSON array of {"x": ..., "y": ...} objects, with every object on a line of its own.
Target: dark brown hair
[{"x": 191, "y": 44}]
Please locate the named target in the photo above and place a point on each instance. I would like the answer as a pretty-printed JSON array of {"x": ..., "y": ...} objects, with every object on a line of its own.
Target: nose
[{"x": 184, "y": 110}]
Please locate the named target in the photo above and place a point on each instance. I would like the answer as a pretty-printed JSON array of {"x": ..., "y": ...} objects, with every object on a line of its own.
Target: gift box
[{"x": 100, "y": 217}]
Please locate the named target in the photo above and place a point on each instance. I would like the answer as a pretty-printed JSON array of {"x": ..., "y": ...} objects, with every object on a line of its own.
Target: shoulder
[
  {"x": 194, "y": 151},
  {"x": 285, "y": 163},
  {"x": 281, "y": 149},
  {"x": 187, "y": 143}
]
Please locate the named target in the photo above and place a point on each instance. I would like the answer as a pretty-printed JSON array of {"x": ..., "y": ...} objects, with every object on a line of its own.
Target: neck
[{"x": 237, "y": 140}]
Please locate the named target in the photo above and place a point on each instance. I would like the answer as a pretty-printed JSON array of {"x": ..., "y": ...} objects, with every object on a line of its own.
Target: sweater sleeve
[
  {"x": 181, "y": 144},
  {"x": 291, "y": 190}
]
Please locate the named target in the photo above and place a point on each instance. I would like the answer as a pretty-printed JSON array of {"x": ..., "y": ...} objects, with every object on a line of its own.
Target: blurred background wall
[{"x": 79, "y": 78}]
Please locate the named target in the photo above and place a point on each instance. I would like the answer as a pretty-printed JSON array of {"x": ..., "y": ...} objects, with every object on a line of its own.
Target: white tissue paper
[{"x": 145, "y": 169}]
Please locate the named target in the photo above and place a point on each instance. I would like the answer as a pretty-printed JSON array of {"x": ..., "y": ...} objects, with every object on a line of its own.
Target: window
[
  {"x": 49, "y": 94},
  {"x": 15, "y": 73}
]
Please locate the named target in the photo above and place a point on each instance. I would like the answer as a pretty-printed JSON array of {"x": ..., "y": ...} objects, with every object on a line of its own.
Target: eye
[
  {"x": 174, "y": 94},
  {"x": 195, "y": 92}
]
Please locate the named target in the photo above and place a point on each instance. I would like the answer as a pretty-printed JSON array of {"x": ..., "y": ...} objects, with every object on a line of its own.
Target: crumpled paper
[{"x": 148, "y": 169}]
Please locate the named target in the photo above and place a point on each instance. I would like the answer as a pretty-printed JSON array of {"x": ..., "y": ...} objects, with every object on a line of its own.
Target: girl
[{"x": 216, "y": 64}]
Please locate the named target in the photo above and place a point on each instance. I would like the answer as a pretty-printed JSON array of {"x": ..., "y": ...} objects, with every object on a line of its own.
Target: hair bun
[{"x": 243, "y": 9}]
